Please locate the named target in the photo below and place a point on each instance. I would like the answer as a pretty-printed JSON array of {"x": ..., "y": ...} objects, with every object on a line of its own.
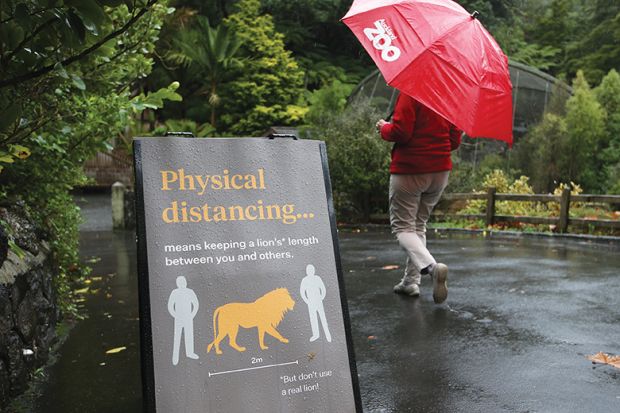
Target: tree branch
[
  {"x": 44, "y": 70},
  {"x": 27, "y": 39},
  {"x": 34, "y": 13},
  {"x": 125, "y": 50}
]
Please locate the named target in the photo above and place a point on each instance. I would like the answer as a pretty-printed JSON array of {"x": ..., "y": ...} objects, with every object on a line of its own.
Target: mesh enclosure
[{"x": 532, "y": 90}]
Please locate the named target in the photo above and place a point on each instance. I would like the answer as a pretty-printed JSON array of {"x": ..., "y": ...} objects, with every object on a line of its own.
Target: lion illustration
[{"x": 265, "y": 313}]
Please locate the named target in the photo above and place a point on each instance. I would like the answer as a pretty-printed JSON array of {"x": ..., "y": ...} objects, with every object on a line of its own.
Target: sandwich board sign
[{"x": 242, "y": 304}]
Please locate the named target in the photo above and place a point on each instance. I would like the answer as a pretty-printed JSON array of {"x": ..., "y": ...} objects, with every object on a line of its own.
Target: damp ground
[{"x": 521, "y": 317}]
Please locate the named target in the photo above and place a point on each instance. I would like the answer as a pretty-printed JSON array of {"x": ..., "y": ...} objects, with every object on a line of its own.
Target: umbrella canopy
[{"x": 439, "y": 54}]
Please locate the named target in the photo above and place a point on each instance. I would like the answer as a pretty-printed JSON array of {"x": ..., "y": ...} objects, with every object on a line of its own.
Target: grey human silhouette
[
  {"x": 183, "y": 306},
  {"x": 313, "y": 292}
]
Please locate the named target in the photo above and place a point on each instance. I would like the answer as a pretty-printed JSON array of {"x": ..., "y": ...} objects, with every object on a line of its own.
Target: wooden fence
[
  {"x": 107, "y": 168},
  {"x": 561, "y": 222}
]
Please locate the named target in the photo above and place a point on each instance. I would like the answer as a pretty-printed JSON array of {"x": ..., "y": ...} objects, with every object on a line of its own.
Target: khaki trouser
[{"x": 412, "y": 199}]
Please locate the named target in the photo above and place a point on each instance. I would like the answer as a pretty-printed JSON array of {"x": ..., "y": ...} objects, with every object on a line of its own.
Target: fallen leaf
[
  {"x": 116, "y": 350},
  {"x": 372, "y": 337},
  {"x": 390, "y": 267},
  {"x": 604, "y": 358}
]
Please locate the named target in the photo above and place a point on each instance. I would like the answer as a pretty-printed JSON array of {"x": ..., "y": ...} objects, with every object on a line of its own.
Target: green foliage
[
  {"x": 554, "y": 24},
  {"x": 492, "y": 12},
  {"x": 73, "y": 77},
  {"x": 268, "y": 90},
  {"x": 467, "y": 176},
  {"x": 213, "y": 51},
  {"x": 15, "y": 152},
  {"x": 579, "y": 145},
  {"x": 498, "y": 180},
  {"x": 327, "y": 103},
  {"x": 358, "y": 160},
  {"x": 62, "y": 218},
  {"x": 544, "y": 152},
  {"x": 64, "y": 66},
  {"x": 325, "y": 49},
  {"x": 185, "y": 125},
  {"x": 462, "y": 177},
  {"x": 585, "y": 121},
  {"x": 155, "y": 100},
  {"x": 559, "y": 36},
  {"x": 513, "y": 42},
  {"x": 598, "y": 49},
  {"x": 608, "y": 94}
]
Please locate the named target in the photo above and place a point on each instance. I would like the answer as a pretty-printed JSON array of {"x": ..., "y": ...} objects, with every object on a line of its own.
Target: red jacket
[{"x": 422, "y": 139}]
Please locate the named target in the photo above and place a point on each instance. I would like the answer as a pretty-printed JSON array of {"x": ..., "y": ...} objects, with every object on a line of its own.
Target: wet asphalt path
[
  {"x": 85, "y": 379},
  {"x": 520, "y": 318}
]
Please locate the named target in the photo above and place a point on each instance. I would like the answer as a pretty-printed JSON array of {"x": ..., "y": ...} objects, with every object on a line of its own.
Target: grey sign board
[{"x": 242, "y": 306}]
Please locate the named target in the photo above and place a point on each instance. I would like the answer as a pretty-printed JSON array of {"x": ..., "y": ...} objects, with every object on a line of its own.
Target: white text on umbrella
[{"x": 381, "y": 36}]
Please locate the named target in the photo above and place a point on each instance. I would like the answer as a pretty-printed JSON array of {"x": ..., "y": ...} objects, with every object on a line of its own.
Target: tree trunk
[{"x": 213, "y": 103}]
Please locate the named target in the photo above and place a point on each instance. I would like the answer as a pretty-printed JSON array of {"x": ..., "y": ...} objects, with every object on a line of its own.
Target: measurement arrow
[{"x": 252, "y": 368}]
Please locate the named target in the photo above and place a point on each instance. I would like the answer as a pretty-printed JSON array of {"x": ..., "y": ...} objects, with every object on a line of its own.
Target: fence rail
[
  {"x": 105, "y": 168},
  {"x": 561, "y": 222}
]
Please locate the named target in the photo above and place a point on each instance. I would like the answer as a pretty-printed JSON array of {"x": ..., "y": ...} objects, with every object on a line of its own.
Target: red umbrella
[{"x": 439, "y": 54}]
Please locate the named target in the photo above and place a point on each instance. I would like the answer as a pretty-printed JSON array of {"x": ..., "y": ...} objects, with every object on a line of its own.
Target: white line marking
[{"x": 253, "y": 368}]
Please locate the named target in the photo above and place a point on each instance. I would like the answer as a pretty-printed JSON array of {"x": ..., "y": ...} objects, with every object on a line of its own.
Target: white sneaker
[
  {"x": 440, "y": 283},
  {"x": 407, "y": 286}
]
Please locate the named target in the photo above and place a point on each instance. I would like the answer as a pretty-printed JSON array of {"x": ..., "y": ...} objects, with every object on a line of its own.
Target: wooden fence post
[
  {"x": 118, "y": 209},
  {"x": 564, "y": 211},
  {"x": 490, "y": 206}
]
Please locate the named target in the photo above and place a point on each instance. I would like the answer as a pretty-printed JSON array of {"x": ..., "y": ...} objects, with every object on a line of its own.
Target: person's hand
[{"x": 380, "y": 124}]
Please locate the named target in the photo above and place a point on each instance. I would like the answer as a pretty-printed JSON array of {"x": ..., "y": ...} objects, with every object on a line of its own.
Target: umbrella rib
[
  {"x": 451, "y": 30},
  {"x": 405, "y": 19},
  {"x": 476, "y": 81},
  {"x": 427, "y": 48},
  {"x": 446, "y": 33}
]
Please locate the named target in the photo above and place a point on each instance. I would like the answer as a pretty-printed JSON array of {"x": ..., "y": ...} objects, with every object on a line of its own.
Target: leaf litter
[
  {"x": 604, "y": 358},
  {"x": 116, "y": 350}
]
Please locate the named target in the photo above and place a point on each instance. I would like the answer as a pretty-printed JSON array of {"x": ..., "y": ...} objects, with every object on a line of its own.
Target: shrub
[
  {"x": 66, "y": 114},
  {"x": 359, "y": 161},
  {"x": 498, "y": 179},
  {"x": 267, "y": 90}
]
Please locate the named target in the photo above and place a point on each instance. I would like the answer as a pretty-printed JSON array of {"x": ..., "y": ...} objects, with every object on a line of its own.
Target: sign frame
[{"x": 146, "y": 338}]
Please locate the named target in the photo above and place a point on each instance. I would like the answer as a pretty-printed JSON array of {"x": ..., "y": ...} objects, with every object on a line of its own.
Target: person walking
[{"x": 419, "y": 171}]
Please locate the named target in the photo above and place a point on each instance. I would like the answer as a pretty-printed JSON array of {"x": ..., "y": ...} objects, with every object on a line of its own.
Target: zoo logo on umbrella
[{"x": 381, "y": 37}]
